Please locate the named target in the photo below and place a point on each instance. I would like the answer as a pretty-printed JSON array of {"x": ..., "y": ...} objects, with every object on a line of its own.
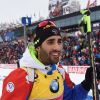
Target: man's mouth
[{"x": 55, "y": 55}]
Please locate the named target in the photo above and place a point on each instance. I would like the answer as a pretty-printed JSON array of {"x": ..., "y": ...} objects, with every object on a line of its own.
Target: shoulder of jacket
[
  {"x": 14, "y": 83},
  {"x": 16, "y": 74},
  {"x": 30, "y": 73}
]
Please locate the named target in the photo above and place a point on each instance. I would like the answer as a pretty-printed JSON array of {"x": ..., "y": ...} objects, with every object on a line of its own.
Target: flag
[
  {"x": 26, "y": 20},
  {"x": 23, "y": 20}
]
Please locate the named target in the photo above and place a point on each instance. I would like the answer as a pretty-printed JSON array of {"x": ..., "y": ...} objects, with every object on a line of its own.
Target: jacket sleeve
[
  {"x": 16, "y": 86},
  {"x": 65, "y": 76},
  {"x": 76, "y": 92}
]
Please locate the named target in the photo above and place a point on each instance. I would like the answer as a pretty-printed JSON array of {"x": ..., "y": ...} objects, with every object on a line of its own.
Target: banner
[
  {"x": 76, "y": 73},
  {"x": 62, "y": 7},
  {"x": 77, "y": 69}
]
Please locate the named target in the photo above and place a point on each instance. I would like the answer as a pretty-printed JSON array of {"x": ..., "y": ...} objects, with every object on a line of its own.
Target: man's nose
[{"x": 57, "y": 46}]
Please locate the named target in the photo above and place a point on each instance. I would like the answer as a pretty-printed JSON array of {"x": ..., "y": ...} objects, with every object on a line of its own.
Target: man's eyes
[
  {"x": 59, "y": 41},
  {"x": 50, "y": 42}
]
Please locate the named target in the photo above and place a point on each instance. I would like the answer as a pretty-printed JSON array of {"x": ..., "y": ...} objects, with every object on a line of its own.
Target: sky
[{"x": 13, "y": 10}]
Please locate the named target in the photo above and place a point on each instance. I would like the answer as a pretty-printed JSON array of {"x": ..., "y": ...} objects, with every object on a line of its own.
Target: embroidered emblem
[
  {"x": 10, "y": 87},
  {"x": 55, "y": 31}
]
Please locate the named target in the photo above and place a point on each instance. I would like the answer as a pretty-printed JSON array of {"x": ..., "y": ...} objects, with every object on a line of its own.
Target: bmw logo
[{"x": 54, "y": 86}]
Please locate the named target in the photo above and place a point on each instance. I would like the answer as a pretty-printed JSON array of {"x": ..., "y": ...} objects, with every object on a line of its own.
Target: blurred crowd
[
  {"x": 75, "y": 50},
  {"x": 10, "y": 52}
]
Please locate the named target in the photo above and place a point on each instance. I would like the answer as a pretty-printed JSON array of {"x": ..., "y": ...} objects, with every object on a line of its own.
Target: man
[{"x": 39, "y": 77}]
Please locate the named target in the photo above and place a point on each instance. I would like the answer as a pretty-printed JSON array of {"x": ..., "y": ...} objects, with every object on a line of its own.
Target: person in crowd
[
  {"x": 40, "y": 77},
  {"x": 11, "y": 51}
]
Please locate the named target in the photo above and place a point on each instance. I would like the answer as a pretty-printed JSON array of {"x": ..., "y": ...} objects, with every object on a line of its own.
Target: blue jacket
[{"x": 76, "y": 93}]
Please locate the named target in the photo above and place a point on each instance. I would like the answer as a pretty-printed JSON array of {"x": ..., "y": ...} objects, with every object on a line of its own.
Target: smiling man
[{"x": 39, "y": 76}]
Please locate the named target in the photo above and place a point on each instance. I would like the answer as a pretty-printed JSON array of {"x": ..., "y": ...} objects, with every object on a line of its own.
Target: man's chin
[{"x": 55, "y": 62}]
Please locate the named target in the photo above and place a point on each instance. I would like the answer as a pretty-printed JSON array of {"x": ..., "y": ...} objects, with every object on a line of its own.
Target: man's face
[{"x": 50, "y": 50}]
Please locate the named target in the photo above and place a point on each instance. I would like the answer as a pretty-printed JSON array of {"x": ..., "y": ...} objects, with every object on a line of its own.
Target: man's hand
[{"x": 88, "y": 82}]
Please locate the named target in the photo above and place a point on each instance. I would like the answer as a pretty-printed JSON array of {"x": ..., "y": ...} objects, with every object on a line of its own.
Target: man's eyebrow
[{"x": 50, "y": 39}]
